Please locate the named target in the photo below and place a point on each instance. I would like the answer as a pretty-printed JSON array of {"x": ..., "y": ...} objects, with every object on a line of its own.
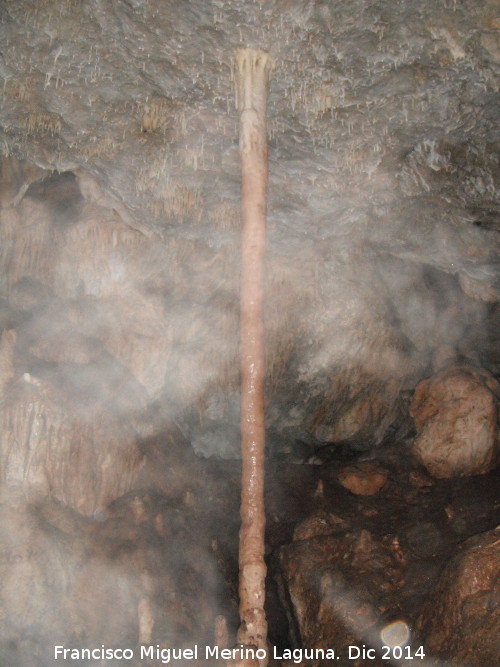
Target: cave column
[{"x": 252, "y": 73}]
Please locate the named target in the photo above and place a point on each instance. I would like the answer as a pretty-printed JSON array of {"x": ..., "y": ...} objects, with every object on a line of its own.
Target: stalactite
[{"x": 252, "y": 73}]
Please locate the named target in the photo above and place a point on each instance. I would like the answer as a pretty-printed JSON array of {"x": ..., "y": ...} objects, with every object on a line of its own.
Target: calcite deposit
[{"x": 120, "y": 272}]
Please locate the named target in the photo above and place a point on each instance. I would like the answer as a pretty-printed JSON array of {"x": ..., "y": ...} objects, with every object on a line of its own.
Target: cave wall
[
  {"x": 382, "y": 197},
  {"x": 119, "y": 283}
]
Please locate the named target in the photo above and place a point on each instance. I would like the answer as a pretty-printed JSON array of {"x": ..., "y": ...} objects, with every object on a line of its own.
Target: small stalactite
[
  {"x": 221, "y": 635},
  {"x": 252, "y": 73}
]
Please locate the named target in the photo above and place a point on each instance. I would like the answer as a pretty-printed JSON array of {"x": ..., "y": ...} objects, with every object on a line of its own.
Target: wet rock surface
[
  {"x": 159, "y": 564},
  {"x": 463, "y": 613},
  {"x": 357, "y": 565},
  {"x": 119, "y": 284},
  {"x": 456, "y": 418},
  {"x": 364, "y": 479}
]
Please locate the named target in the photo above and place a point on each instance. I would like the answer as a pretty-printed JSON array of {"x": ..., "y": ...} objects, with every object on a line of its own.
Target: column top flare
[{"x": 252, "y": 70}]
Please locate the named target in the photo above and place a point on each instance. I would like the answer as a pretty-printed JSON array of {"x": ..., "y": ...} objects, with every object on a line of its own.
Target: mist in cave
[{"x": 120, "y": 235}]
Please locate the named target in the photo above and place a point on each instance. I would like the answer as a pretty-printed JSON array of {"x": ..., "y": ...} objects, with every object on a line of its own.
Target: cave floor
[
  {"x": 423, "y": 520},
  {"x": 167, "y": 553}
]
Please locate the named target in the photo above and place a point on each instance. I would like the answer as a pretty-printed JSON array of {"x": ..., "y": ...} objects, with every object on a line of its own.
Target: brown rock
[
  {"x": 320, "y": 523},
  {"x": 363, "y": 479},
  {"x": 420, "y": 480},
  {"x": 339, "y": 585},
  {"x": 461, "y": 621},
  {"x": 455, "y": 415}
]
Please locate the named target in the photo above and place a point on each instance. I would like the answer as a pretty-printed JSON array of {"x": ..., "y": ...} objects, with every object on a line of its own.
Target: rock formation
[{"x": 119, "y": 324}]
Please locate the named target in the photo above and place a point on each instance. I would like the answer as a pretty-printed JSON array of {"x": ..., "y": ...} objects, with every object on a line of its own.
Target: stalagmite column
[{"x": 252, "y": 73}]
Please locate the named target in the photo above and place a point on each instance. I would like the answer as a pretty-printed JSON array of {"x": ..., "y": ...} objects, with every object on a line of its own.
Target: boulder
[
  {"x": 341, "y": 585},
  {"x": 455, "y": 414},
  {"x": 363, "y": 479},
  {"x": 460, "y": 623}
]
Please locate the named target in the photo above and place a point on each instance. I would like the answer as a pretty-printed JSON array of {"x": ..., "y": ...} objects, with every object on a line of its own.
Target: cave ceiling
[{"x": 383, "y": 158}]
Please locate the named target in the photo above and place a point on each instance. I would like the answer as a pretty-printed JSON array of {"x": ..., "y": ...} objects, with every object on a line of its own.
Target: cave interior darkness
[{"x": 119, "y": 311}]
